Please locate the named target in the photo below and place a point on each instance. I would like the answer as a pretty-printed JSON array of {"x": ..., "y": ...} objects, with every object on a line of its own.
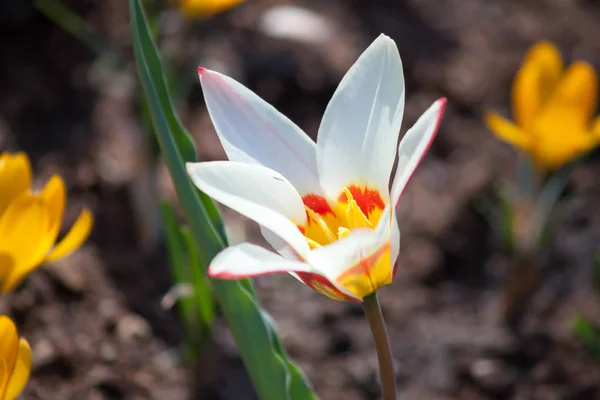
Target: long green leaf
[
  {"x": 274, "y": 377},
  {"x": 197, "y": 319},
  {"x": 548, "y": 198},
  {"x": 202, "y": 291}
]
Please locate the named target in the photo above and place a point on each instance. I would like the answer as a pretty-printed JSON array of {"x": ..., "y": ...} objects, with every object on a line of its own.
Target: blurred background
[{"x": 95, "y": 320}]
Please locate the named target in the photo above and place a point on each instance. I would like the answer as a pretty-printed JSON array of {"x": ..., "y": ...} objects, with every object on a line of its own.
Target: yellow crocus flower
[
  {"x": 204, "y": 8},
  {"x": 553, "y": 108},
  {"x": 30, "y": 221},
  {"x": 15, "y": 360}
]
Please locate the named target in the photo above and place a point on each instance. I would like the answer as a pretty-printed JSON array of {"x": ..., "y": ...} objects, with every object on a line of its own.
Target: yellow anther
[
  {"x": 312, "y": 244},
  {"x": 321, "y": 223},
  {"x": 343, "y": 232},
  {"x": 348, "y": 194},
  {"x": 354, "y": 215}
]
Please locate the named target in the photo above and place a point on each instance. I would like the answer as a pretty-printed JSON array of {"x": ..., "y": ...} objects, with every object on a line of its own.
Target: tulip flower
[
  {"x": 203, "y": 8},
  {"x": 15, "y": 360},
  {"x": 30, "y": 221},
  {"x": 553, "y": 109},
  {"x": 326, "y": 208}
]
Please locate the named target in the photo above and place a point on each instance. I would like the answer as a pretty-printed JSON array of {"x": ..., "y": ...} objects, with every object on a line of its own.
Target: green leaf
[
  {"x": 197, "y": 311},
  {"x": 588, "y": 336},
  {"x": 78, "y": 27},
  {"x": 548, "y": 197},
  {"x": 273, "y": 375},
  {"x": 202, "y": 290},
  {"x": 498, "y": 215},
  {"x": 527, "y": 176}
]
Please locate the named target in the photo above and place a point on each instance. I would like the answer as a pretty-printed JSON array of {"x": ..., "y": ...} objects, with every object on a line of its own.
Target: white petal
[
  {"x": 394, "y": 241},
  {"x": 414, "y": 145},
  {"x": 278, "y": 244},
  {"x": 256, "y": 192},
  {"x": 359, "y": 132},
  {"x": 253, "y": 131},
  {"x": 247, "y": 260}
]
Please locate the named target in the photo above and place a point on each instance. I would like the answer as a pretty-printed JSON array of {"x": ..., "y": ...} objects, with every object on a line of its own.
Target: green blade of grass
[
  {"x": 588, "y": 336},
  {"x": 193, "y": 310},
  {"x": 273, "y": 375},
  {"x": 202, "y": 290}
]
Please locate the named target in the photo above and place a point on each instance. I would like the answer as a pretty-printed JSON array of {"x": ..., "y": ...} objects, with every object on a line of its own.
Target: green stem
[{"x": 382, "y": 345}]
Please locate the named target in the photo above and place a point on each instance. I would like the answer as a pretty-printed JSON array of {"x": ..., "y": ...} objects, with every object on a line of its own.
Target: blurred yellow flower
[
  {"x": 553, "y": 107},
  {"x": 15, "y": 360},
  {"x": 204, "y": 8},
  {"x": 30, "y": 222}
]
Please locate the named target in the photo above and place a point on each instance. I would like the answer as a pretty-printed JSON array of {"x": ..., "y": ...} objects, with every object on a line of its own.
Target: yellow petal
[
  {"x": 558, "y": 139},
  {"x": 369, "y": 274},
  {"x": 534, "y": 82},
  {"x": 15, "y": 177},
  {"x": 576, "y": 92},
  {"x": 550, "y": 158},
  {"x": 508, "y": 132},
  {"x": 596, "y": 127},
  {"x": 6, "y": 265},
  {"x": 563, "y": 130},
  {"x": 199, "y": 8},
  {"x": 24, "y": 233},
  {"x": 4, "y": 375},
  {"x": 74, "y": 239},
  {"x": 21, "y": 371},
  {"x": 54, "y": 195},
  {"x": 9, "y": 344}
]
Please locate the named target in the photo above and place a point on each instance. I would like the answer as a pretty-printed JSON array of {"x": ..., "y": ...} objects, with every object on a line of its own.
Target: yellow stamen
[
  {"x": 332, "y": 221},
  {"x": 325, "y": 229},
  {"x": 312, "y": 244},
  {"x": 354, "y": 215},
  {"x": 343, "y": 232}
]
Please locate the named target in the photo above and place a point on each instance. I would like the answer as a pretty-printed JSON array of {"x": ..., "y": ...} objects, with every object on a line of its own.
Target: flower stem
[{"x": 382, "y": 345}]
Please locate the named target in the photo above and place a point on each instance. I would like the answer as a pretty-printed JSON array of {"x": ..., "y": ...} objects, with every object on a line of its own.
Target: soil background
[{"x": 95, "y": 320}]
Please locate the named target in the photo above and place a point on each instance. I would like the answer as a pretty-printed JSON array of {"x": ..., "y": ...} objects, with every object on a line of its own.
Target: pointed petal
[
  {"x": 193, "y": 9},
  {"x": 278, "y": 244},
  {"x": 247, "y": 260},
  {"x": 21, "y": 371},
  {"x": 574, "y": 98},
  {"x": 73, "y": 240},
  {"x": 4, "y": 376},
  {"x": 6, "y": 265},
  {"x": 508, "y": 132},
  {"x": 394, "y": 242},
  {"x": 9, "y": 345},
  {"x": 256, "y": 192},
  {"x": 24, "y": 229},
  {"x": 55, "y": 195},
  {"x": 359, "y": 132},
  {"x": 534, "y": 82},
  {"x": 596, "y": 127},
  {"x": 252, "y": 131},
  {"x": 15, "y": 177},
  {"x": 414, "y": 146}
]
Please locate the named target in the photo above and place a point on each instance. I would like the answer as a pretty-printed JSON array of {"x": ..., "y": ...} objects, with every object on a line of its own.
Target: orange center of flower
[{"x": 356, "y": 207}]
